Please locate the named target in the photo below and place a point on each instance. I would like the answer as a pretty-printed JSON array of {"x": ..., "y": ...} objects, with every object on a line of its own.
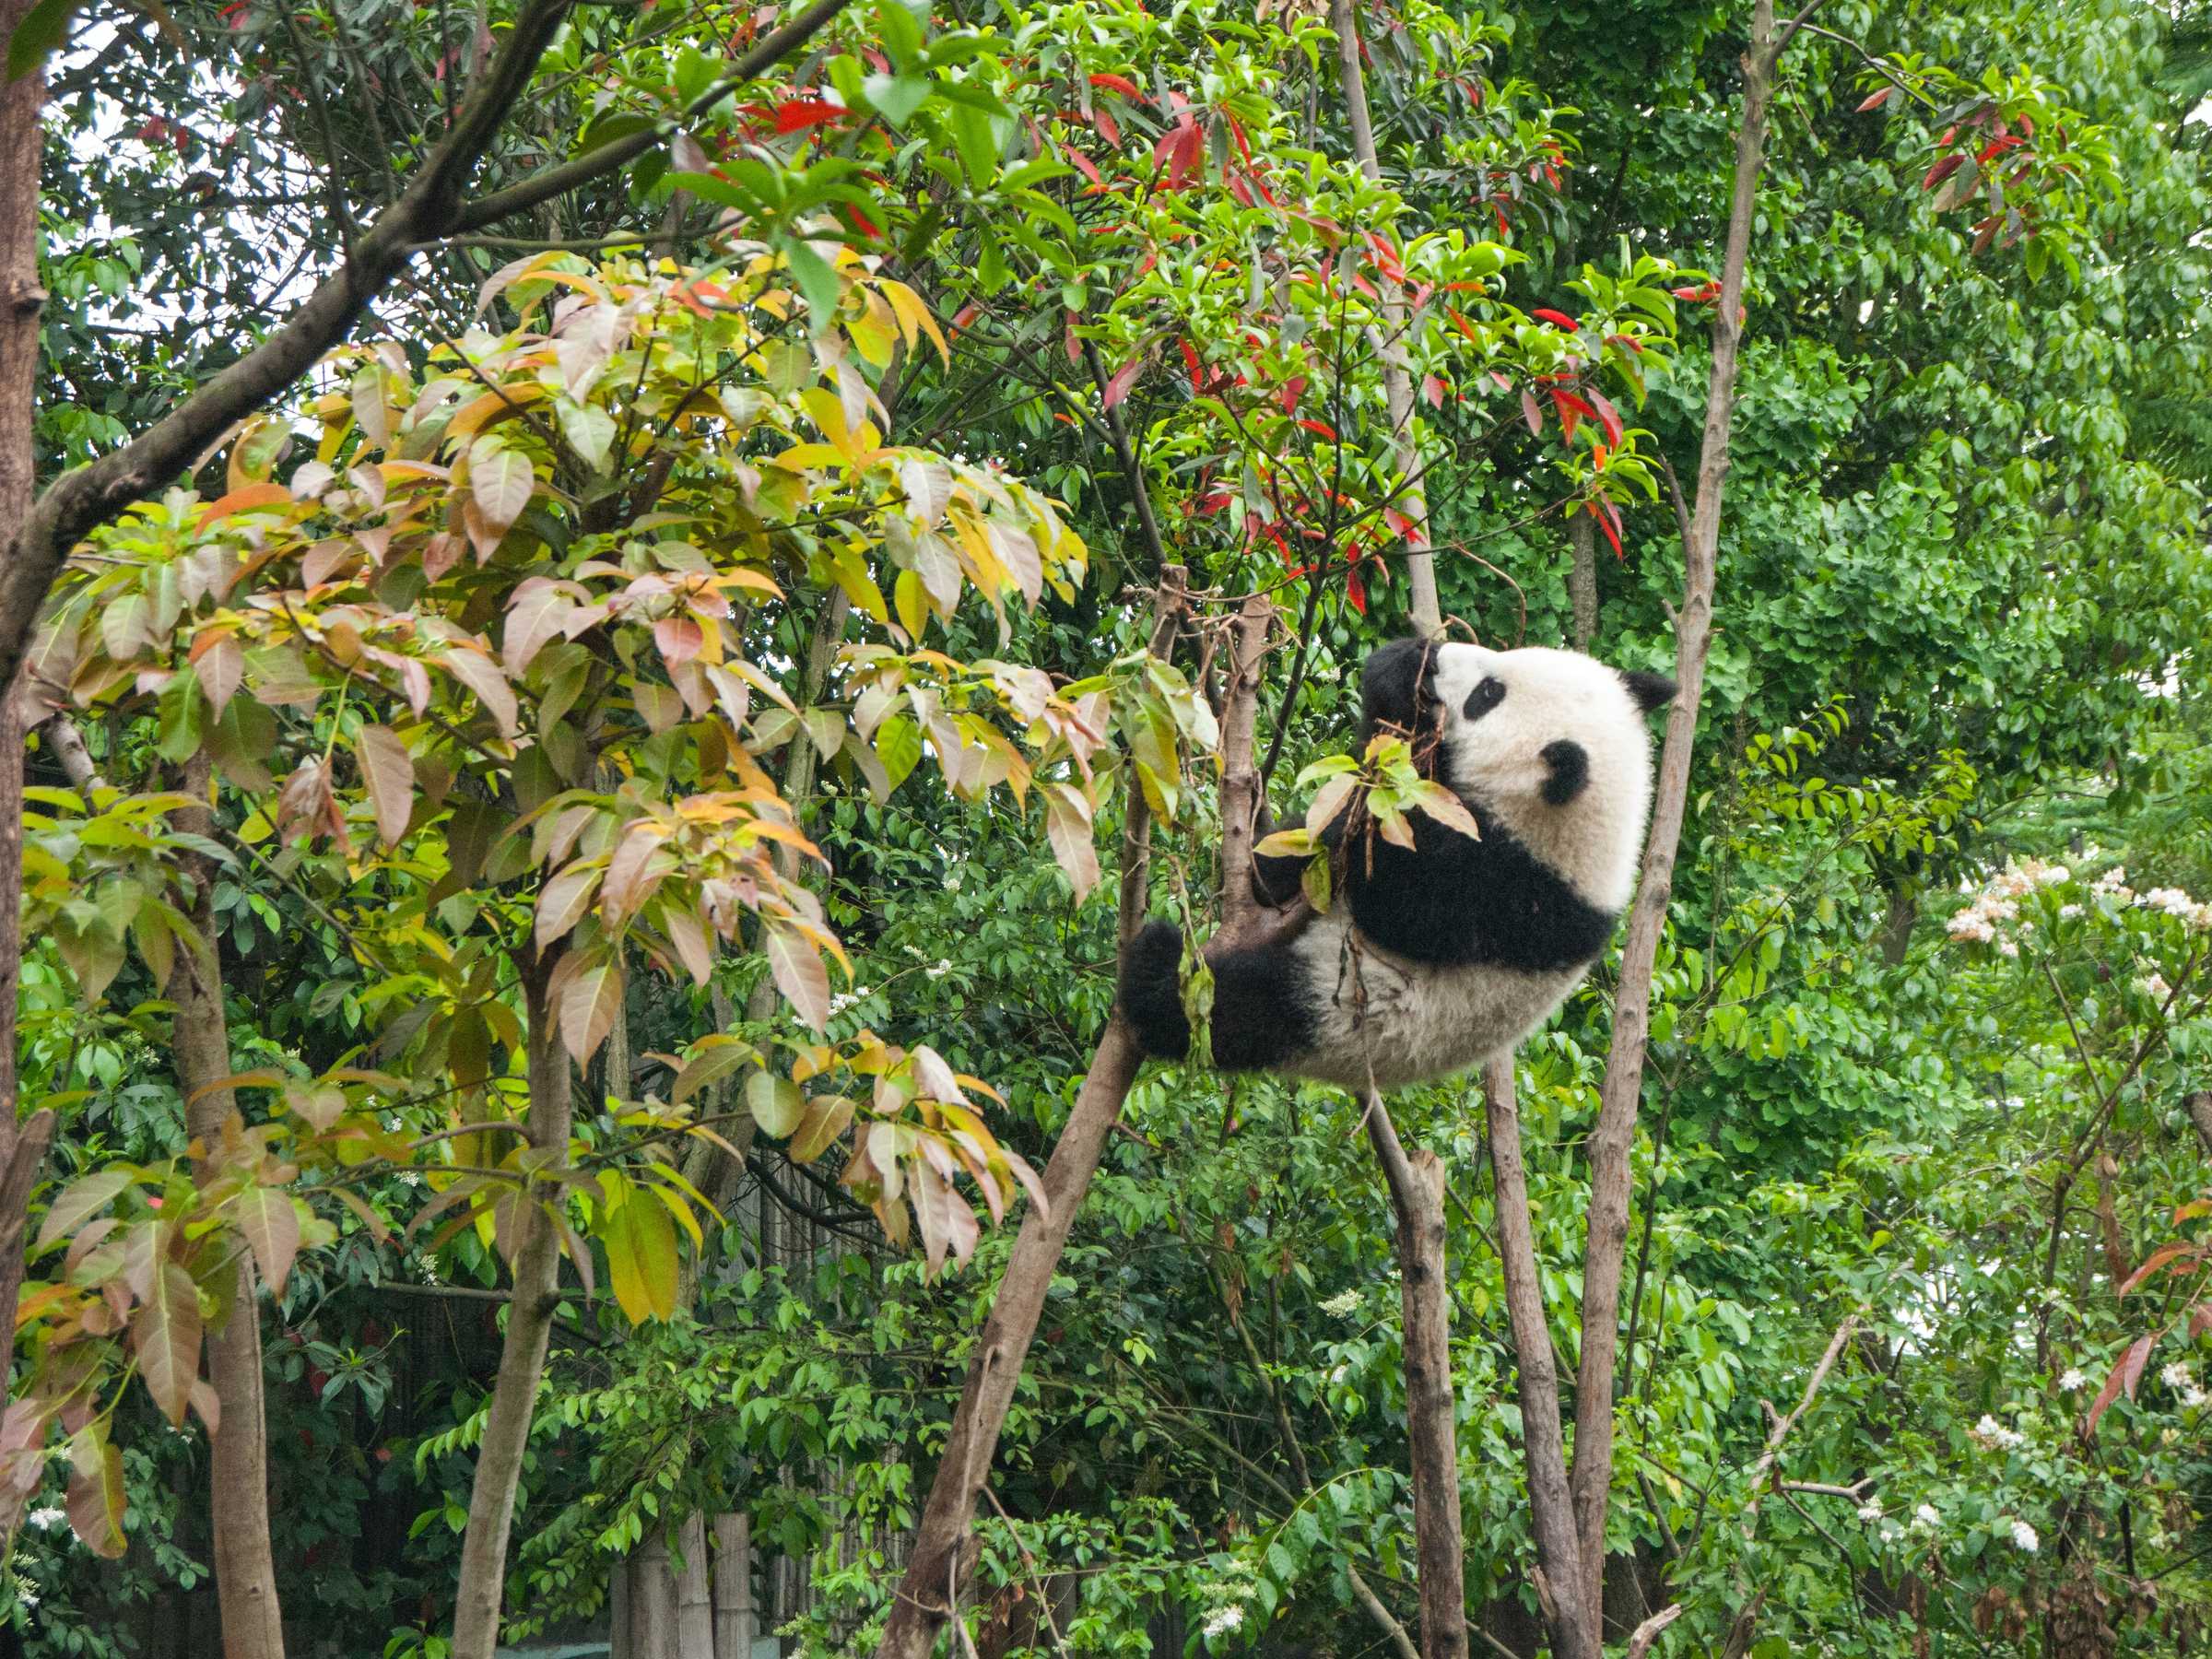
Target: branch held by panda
[{"x": 930, "y": 1591}]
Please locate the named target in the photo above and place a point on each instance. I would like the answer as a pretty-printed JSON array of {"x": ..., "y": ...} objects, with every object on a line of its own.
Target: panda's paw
[{"x": 1152, "y": 991}]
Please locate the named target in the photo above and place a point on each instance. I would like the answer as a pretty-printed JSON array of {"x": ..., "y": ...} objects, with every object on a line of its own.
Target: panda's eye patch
[{"x": 1485, "y": 698}]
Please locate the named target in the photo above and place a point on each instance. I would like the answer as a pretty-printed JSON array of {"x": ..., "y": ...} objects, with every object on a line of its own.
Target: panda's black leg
[
  {"x": 1152, "y": 991},
  {"x": 1262, "y": 1014}
]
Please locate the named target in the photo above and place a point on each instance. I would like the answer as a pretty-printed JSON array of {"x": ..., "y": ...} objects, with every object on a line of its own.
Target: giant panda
[{"x": 1445, "y": 954}]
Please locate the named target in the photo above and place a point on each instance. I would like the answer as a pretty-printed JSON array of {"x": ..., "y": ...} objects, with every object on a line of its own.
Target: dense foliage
[{"x": 704, "y": 643}]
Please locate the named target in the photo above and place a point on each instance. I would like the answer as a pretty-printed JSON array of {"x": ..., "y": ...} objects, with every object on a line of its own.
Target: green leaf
[
  {"x": 818, "y": 284},
  {"x": 641, "y": 1256},
  {"x": 775, "y": 1102}
]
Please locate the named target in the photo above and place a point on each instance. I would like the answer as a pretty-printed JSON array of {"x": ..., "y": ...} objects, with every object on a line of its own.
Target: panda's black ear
[
  {"x": 1650, "y": 690},
  {"x": 1390, "y": 686}
]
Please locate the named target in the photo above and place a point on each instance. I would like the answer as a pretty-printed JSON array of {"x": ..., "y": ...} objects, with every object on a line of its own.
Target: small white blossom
[
  {"x": 1926, "y": 1515},
  {"x": 2073, "y": 1380},
  {"x": 27, "y": 1595},
  {"x": 2173, "y": 900},
  {"x": 1341, "y": 1375},
  {"x": 939, "y": 970},
  {"x": 845, "y": 999},
  {"x": 2114, "y": 880},
  {"x": 1991, "y": 1432},
  {"x": 2183, "y": 1380},
  {"x": 1222, "y": 1620},
  {"x": 1972, "y": 927},
  {"x": 2024, "y": 1538},
  {"x": 2069, "y": 911},
  {"x": 2154, "y": 985},
  {"x": 47, "y": 1519},
  {"x": 1870, "y": 1511},
  {"x": 2007, "y": 948},
  {"x": 1342, "y": 1305}
]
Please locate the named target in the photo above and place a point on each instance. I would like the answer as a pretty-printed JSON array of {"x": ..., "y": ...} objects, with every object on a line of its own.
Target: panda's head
[{"x": 1550, "y": 746}]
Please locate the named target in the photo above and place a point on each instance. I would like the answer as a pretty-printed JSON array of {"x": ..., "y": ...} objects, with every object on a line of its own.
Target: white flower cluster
[
  {"x": 47, "y": 1519},
  {"x": 2024, "y": 1538},
  {"x": 845, "y": 999},
  {"x": 2154, "y": 986},
  {"x": 1992, "y": 1433},
  {"x": 2175, "y": 902},
  {"x": 2113, "y": 883},
  {"x": 2183, "y": 1380},
  {"x": 1870, "y": 1511},
  {"x": 1222, "y": 1620},
  {"x": 1343, "y": 1305},
  {"x": 1926, "y": 1515},
  {"x": 2073, "y": 1380}
]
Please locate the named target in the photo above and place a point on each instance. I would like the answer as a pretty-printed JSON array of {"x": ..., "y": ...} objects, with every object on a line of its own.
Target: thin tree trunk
[
  {"x": 523, "y": 1357},
  {"x": 1615, "y": 1137},
  {"x": 1417, "y": 1195},
  {"x": 735, "y": 1626},
  {"x": 930, "y": 1590},
  {"x": 1582, "y": 577},
  {"x": 1398, "y": 381},
  {"x": 694, "y": 1591},
  {"x": 1571, "y": 1620},
  {"x": 22, "y": 1144},
  {"x": 238, "y": 1474}
]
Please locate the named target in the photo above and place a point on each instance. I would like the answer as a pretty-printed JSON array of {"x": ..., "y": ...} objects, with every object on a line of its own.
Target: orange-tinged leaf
[
  {"x": 2157, "y": 1259},
  {"x": 2127, "y": 1371},
  {"x": 165, "y": 1333},
  {"x": 799, "y": 973},
  {"x": 94, "y": 1501},
  {"x": 827, "y": 1116},
  {"x": 589, "y": 1005},
  {"x": 563, "y": 902},
  {"x": 245, "y": 499},
  {"x": 271, "y": 1228},
  {"x": 475, "y": 670},
  {"x": 389, "y": 772},
  {"x": 78, "y": 1200},
  {"x": 220, "y": 662}
]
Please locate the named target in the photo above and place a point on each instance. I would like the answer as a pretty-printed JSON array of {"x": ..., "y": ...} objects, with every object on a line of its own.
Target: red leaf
[
  {"x": 1572, "y": 411},
  {"x": 1608, "y": 417},
  {"x": 1074, "y": 345},
  {"x": 803, "y": 112},
  {"x": 1322, "y": 428},
  {"x": 1084, "y": 164},
  {"x": 1292, "y": 389},
  {"x": 1943, "y": 170},
  {"x": 968, "y": 315},
  {"x": 1118, "y": 387},
  {"x": 1432, "y": 388},
  {"x": 1355, "y": 591},
  {"x": 1398, "y": 521},
  {"x": 1531, "y": 413},
  {"x": 861, "y": 221},
  {"x": 2127, "y": 1373},
  {"x": 1190, "y": 358},
  {"x": 1625, "y": 340},
  {"x": 1608, "y": 520},
  {"x": 1557, "y": 319},
  {"x": 1119, "y": 83},
  {"x": 1874, "y": 100},
  {"x": 2157, "y": 1259}
]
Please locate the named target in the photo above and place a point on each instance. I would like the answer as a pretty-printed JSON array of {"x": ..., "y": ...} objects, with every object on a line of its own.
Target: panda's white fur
[
  {"x": 1419, "y": 1021},
  {"x": 1436, "y": 958}
]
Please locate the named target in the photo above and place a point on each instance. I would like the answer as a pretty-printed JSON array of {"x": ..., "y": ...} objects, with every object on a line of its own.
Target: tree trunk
[
  {"x": 22, "y": 1144},
  {"x": 536, "y": 1266},
  {"x": 929, "y": 1592},
  {"x": 735, "y": 1626},
  {"x": 1571, "y": 1618},
  {"x": 1417, "y": 1195},
  {"x": 238, "y": 1474},
  {"x": 1397, "y": 383},
  {"x": 1582, "y": 577},
  {"x": 1615, "y": 1137}
]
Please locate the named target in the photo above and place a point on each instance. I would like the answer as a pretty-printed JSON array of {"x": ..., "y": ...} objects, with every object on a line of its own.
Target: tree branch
[
  {"x": 1614, "y": 1138},
  {"x": 1573, "y": 1625}
]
